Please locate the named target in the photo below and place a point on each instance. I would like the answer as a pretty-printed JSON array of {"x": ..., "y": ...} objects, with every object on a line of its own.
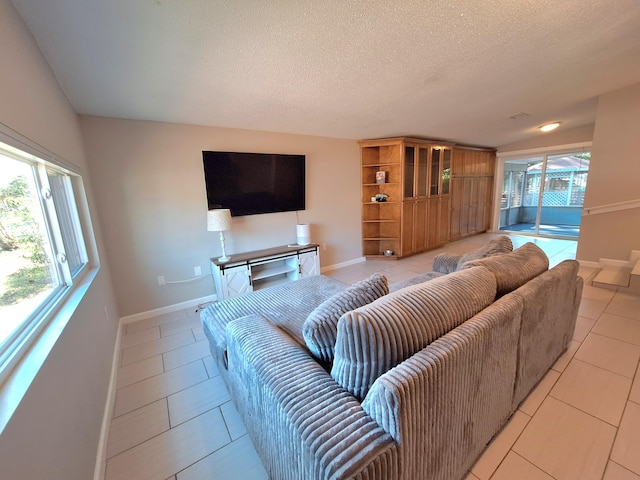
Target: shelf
[
  {"x": 271, "y": 271},
  {"x": 383, "y": 220},
  {"x": 377, "y": 165},
  {"x": 273, "y": 281},
  {"x": 265, "y": 254},
  {"x": 380, "y": 184}
]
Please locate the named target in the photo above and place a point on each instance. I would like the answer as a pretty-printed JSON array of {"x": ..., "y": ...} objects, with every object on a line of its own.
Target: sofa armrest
[
  {"x": 445, "y": 403},
  {"x": 302, "y": 423},
  {"x": 446, "y": 262}
]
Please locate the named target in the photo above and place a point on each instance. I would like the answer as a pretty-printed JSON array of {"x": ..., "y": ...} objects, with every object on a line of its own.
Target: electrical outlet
[
  {"x": 161, "y": 280},
  {"x": 197, "y": 271}
]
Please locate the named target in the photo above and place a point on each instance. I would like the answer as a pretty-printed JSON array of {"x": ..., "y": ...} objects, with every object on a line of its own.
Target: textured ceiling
[{"x": 454, "y": 70}]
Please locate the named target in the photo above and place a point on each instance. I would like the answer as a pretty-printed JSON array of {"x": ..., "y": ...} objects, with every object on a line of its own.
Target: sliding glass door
[{"x": 544, "y": 195}]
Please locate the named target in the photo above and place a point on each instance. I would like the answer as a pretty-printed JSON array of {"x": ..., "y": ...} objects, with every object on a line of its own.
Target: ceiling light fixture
[{"x": 549, "y": 126}]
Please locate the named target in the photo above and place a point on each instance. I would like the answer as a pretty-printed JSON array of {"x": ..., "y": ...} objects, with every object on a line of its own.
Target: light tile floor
[{"x": 174, "y": 419}]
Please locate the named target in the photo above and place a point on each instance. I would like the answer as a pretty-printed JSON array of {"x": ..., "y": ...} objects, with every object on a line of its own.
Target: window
[
  {"x": 42, "y": 246},
  {"x": 512, "y": 189}
]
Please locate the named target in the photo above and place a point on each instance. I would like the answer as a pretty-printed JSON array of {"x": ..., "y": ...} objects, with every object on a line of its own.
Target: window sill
[{"x": 18, "y": 381}]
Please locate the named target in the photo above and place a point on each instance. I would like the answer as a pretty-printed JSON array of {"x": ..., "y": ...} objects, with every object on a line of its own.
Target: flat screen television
[{"x": 254, "y": 183}]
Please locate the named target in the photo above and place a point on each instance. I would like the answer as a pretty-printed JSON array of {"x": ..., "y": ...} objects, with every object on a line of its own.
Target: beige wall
[
  {"x": 559, "y": 137},
  {"x": 149, "y": 187},
  {"x": 614, "y": 176},
  {"x": 54, "y": 432}
]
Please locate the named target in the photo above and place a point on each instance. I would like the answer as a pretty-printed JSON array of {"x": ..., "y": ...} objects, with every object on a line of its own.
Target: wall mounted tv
[{"x": 253, "y": 183}]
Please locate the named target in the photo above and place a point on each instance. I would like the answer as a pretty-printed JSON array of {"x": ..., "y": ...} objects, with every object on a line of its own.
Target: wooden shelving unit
[
  {"x": 436, "y": 192},
  {"x": 381, "y": 220}
]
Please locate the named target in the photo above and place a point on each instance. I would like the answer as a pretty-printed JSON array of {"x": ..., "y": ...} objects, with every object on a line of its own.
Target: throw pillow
[
  {"x": 320, "y": 328},
  {"x": 514, "y": 269},
  {"x": 377, "y": 337}
]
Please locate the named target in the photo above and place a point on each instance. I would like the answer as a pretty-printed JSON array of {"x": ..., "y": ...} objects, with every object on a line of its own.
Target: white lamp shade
[{"x": 219, "y": 220}]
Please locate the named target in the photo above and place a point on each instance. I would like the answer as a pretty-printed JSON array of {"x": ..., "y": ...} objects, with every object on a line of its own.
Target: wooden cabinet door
[
  {"x": 444, "y": 219},
  {"x": 473, "y": 205},
  {"x": 236, "y": 281},
  {"x": 485, "y": 200},
  {"x": 420, "y": 217},
  {"x": 407, "y": 244},
  {"x": 433, "y": 217},
  {"x": 308, "y": 264},
  {"x": 457, "y": 208}
]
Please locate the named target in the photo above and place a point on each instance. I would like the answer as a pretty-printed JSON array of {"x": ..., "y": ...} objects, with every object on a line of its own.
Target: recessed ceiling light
[{"x": 549, "y": 126}]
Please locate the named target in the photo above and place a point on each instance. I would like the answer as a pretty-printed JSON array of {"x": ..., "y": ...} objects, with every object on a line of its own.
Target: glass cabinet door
[
  {"x": 409, "y": 171},
  {"x": 446, "y": 171},
  {"x": 435, "y": 172},
  {"x": 423, "y": 171}
]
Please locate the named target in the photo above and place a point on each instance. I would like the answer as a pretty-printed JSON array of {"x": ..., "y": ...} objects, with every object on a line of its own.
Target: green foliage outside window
[{"x": 20, "y": 237}]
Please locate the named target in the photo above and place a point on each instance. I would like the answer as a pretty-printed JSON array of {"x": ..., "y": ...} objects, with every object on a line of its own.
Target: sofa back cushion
[
  {"x": 374, "y": 338},
  {"x": 321, "y": 326},
  {"x": 515, "y": 268},
  {"x": 551, "y": 302}
]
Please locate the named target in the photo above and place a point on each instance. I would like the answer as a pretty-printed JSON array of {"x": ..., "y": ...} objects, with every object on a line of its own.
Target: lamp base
[{"x": 224, "y": 257}]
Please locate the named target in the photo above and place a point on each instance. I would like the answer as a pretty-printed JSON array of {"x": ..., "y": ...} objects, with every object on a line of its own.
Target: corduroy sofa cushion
[
  {"x": 496, "y": 246},
  {"x": 321, "y": 326},
  {"x": 451, "y": 262},
  {"x": 374, "y": 338},
  {"x": 424, "y": 277},
  {"x": 514, "y": 269}
]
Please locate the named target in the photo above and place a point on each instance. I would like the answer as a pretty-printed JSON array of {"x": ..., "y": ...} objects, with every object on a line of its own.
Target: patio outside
[{"x": 544, "y": 195}]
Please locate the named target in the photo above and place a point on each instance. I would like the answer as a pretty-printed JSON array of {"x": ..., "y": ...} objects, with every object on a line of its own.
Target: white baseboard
[
  {"x": 341, "y": 265},
  {"x": 588, "y": 264},
  {"x": 168, "y": 309},
  {"x": 211, "y": 298},
  {"x": 101, "y": 457}
]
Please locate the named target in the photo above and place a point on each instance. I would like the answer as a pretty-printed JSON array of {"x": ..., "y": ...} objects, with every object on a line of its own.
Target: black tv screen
[{"x": 253, "y": 183}]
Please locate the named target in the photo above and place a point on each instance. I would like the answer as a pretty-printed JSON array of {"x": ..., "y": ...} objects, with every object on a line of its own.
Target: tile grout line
[
  {"x": 529, "y": 418},
  {"x": 571, "y": 406},
  {"x": 615, "y": 437},
  {"x": 172, "y": 393}
]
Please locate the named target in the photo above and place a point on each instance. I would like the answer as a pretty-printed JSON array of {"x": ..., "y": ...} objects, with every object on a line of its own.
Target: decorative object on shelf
[
  {"x": 388, "y": 253},
  {"x": 381, "y": 197},
  {"x": 302, "y": 234},
  {"x": 381, "y": 177},
  {"x": 219, "y": 220}
]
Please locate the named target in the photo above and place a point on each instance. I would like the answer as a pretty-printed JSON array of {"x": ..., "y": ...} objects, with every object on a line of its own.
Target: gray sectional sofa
[{"x": 336, "y": 381}]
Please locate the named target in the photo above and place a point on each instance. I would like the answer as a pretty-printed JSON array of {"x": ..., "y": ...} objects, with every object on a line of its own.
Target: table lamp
[{"x": 219, "y": 220}]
